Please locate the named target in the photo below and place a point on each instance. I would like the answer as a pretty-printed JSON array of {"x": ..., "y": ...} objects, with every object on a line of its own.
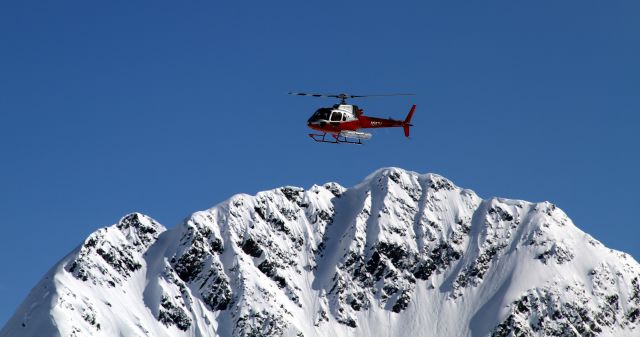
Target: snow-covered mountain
[{"x": 400, "y": 254}]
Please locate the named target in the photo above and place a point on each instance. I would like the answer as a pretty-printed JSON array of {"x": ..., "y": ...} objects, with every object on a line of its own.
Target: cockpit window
[
  {"x": 322, "y": 113},
  {"x": 336, "y": 116}
]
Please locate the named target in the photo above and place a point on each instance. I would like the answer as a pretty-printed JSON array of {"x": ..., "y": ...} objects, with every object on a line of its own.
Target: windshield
[{"x": 322, "y": 113}]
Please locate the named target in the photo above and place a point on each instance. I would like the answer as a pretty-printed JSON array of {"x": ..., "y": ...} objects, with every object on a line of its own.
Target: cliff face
[{"x": 400, "y": 254}]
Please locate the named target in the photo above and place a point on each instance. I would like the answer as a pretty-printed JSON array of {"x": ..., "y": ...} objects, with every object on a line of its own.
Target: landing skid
[{"x": 337, "y": 139}]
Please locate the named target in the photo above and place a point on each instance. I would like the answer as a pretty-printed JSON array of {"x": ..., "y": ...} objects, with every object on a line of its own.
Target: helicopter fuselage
[{"x": 346, "y": 117}]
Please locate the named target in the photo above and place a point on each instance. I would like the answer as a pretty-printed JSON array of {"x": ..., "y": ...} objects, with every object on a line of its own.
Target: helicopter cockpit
[
  {"x": 320, "y": 114},
  {"x": 336, "y": 114}
]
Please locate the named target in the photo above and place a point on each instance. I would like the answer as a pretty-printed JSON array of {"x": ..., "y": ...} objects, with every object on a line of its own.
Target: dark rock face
[
  {"x": 198, "y": 265},
  {"x": 473, "y": 274},
  {"x": 251, "y": 247},
  {"x": 442, "y": 256},
  {"x": 140, "y": 230},
  {"x": 557, "y": 252},
  {"x": 271, "y": 271},
  {"x": 546, "y": 313},
  {"x": 112, "y": 254},
  {"x": 170, "y": 314},
  {"x": 257, "y": 324},
  {"x": 635, "y": 290}
]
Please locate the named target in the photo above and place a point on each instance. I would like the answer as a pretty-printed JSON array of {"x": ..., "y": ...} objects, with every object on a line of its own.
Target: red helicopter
[{"x": 344, "y": 120}]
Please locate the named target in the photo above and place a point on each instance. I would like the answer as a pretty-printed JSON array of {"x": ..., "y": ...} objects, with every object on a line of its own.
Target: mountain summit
[{"x": 400, "y": 254}]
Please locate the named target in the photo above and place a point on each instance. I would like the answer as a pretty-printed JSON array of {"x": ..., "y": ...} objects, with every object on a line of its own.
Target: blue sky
[{"x": 113, "y": 107}]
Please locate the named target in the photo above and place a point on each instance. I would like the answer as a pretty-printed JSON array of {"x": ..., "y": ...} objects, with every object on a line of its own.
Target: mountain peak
[
  {"x": 113, "y": 253},
  {"x": 400, "y": 253},
  {"x": 139, "y": 229}
]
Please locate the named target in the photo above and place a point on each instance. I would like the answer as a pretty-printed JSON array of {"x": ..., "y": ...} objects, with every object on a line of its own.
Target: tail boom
[{"x": 366, "y": 122}]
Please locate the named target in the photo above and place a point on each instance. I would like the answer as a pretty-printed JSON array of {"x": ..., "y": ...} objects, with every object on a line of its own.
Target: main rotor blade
[
  {"x": 314, "y": 95},
  {"x": 344, "y": 96},
  {"x": 356, "y": 96}
]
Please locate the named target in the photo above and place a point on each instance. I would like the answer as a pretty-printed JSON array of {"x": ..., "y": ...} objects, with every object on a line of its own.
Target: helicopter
[{"x": 342, "y": 121}]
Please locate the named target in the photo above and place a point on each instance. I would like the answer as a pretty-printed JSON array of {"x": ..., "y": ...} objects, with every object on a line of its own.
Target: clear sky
[{"x": 110, "y": 107}]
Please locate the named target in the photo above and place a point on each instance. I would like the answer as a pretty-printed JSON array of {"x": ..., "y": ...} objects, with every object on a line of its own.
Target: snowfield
[{"x": 400, "y": 254}]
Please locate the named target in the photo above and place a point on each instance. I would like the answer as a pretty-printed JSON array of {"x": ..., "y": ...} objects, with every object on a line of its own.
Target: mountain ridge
[{"x": 399, "y": 252}]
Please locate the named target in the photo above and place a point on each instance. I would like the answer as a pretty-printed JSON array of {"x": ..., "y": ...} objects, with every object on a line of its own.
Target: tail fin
[{"x": 407, "y": 121}]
